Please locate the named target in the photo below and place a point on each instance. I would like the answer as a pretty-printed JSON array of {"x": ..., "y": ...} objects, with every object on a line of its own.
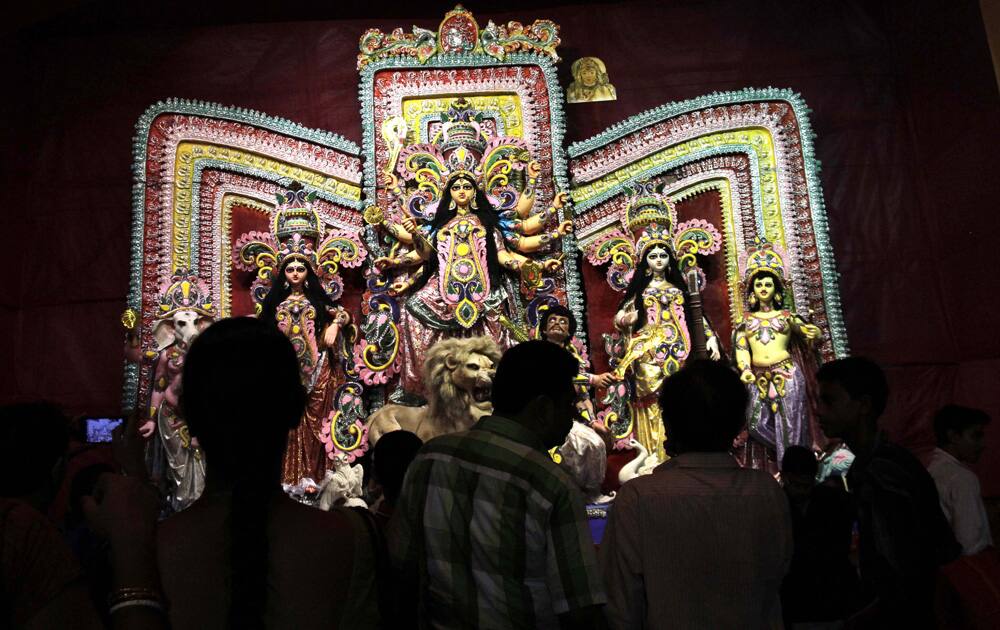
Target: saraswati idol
[{"x": 659, "y": 324}]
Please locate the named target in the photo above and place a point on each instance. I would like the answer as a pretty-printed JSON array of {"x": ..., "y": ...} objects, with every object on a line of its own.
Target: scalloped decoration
[
  {"x": 759, "y": 144},
  {"x": 459, "y": 33},
  {"x": 697, "y": 236}
]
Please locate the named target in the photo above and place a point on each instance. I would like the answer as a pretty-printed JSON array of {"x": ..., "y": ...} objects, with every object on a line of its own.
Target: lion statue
[{"x": 458, "y": 377}]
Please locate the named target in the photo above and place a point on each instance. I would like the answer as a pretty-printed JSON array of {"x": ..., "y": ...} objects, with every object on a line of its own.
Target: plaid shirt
[{"x": 495, "y": 530}]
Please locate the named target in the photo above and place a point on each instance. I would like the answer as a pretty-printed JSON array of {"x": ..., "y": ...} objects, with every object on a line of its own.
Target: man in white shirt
[{"x": 961, "y": 439}]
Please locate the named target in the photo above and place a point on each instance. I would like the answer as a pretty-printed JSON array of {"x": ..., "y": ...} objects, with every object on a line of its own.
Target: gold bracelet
[
  {"x": 132, "y": 593},
  {"x": 155, "y": 604}
]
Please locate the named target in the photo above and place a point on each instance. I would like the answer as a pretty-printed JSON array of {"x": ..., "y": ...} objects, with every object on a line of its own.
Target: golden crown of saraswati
[{"x": 652, "y": 215}]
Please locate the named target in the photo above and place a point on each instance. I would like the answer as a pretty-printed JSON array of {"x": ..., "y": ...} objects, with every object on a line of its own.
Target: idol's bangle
[{"x": 529, "y": 188}]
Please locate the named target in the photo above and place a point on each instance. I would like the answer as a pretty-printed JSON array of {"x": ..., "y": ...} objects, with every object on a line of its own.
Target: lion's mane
[{"x": 445, "y": 400}]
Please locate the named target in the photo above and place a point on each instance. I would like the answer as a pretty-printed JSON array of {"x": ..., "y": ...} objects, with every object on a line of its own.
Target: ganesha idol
[
  {"x": 465, "y": 251},
  {"x": 185, "y": 309}
]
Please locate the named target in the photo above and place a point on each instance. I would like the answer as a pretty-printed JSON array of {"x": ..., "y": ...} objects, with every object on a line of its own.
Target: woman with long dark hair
[
  {"x": 655, "y": 316},
  {"x": 299, "y": 306},
  {"x": 244, "y": 555},
  {"x": 456, "y": 282}
]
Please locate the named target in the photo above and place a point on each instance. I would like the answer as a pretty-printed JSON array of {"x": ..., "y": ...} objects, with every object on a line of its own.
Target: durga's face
[{"x": 462, "y": 192}]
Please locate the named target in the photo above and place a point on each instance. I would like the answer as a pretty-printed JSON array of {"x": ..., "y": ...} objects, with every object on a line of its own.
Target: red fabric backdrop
[{"x": 905, "y": 107}]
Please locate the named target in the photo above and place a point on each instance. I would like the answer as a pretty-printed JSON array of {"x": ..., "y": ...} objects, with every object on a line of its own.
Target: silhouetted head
[
  {"x": 704, "y": 407},
  {"x": 33, "y": 441},
  {"x": 798, "y": 471},
  {"x": 961, "y": 431},
  {"x": 852, "y": 392},
  {"x": 534, "y": 385},
  {"x": 241, "y": 395},
  {"x": 392, "y": 455}
]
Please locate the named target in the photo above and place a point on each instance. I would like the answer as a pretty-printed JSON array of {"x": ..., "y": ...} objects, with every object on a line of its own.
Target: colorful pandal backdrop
[
  {"x": 409, "y": 83},
  {"x": 742, "y": 161},
  {"x": 205, "y": 174}
]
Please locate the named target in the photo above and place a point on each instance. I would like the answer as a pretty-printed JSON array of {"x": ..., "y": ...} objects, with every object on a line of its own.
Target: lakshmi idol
[
  {"x": 299, "y": 282},
  {"x": 462, "y": 247},
  {"x": 301, "y": 309},
  {"x": 772, "y": 353}
]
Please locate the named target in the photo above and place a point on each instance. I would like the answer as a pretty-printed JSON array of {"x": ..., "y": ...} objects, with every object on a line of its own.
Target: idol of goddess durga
[{"x": 459, "y": 259}]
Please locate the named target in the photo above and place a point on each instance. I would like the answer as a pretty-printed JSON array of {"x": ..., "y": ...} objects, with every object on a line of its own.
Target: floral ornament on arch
[{"x": 457, "y": 34}]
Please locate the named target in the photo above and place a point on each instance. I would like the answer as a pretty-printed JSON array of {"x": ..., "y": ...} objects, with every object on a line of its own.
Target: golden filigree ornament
[
  {"x": 555, "y": 455},
  {"x": 531, "y": 274},
  {"x": 129, "y": 319},
  {"x": 459, "y": 34},
  {"x": 373, "y": 215},
  {"x": 185, "y": 292}
]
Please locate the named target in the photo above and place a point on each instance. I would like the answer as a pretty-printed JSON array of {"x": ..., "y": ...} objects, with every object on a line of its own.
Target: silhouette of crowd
[{"x": 481, "y": 529}]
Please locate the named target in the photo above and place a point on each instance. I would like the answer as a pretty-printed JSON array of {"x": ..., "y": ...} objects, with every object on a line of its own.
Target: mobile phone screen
[{"x": 99, "y": 429}]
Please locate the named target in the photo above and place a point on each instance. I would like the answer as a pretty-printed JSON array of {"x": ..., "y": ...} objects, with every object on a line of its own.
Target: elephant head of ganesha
[{"x": 185, "y": 310}]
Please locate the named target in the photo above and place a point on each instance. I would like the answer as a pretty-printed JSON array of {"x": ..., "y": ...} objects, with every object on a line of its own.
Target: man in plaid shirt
[{"x": 490, "y": 532}]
